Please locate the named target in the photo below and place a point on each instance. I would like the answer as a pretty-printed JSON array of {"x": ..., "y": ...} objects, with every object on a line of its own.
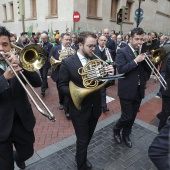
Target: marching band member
[
  {"x": 47, "y": 46},
  {"x": 131, "y": 88},
  {"x": 16, "y": 116},
  {"x": 84, "y": 120}
]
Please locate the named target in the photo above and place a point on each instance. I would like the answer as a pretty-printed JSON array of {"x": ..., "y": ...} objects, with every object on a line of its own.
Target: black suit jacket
[
  {"x": 167, "y": 77},
  {"x": 127, "y": 87},
  {"x": 100, "y": 54},
  {"x": 111, "y": 45},
  {"x": 13, "y": 98},
  {"x": 69, "y": 72},
  {"x": 55, "y": 54}
]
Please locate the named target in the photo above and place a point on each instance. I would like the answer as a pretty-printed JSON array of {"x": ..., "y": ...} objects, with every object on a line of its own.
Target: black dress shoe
[
  {"x": 105, "y": 109},
  {"x": 67, "y": 115},
  {"x": 117, "y": 137},
  {"x": 88, "y": 165},
  {"x": 43, "y": 93},
  {"x": 20, "y": 164},
  {"x": 127, "y": 141},
  {"x": 61, "y": 107}
]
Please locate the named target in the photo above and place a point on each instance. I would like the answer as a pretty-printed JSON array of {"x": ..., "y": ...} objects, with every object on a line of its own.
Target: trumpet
[
  {"x": 66, "y": 52},
  {"x": 109, "y": 57},
  {"x": 32, "y": 58}
]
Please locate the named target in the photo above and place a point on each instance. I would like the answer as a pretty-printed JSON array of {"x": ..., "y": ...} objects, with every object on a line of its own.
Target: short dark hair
[
  {"x": 138, "y": 31},
  {"x": 4, "y": 32},
  {"x": 63, "y": 34},
  {"x": 83, "y": 35}
]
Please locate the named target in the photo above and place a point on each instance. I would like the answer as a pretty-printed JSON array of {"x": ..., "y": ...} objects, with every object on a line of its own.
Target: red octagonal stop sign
[{"x": 76, "y": 16}]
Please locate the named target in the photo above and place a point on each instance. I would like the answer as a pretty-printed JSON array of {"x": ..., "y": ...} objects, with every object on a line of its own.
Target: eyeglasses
[{"x": 91, "y": 46}]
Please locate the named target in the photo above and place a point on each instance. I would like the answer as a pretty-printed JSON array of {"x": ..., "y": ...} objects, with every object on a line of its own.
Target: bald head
[
  {"x": 106, "y": 32},
  {"x": 102, "y": 41},
  {"x": 44, "y": 37}
]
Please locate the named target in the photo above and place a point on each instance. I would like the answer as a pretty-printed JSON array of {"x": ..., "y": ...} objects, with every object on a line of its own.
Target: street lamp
[{"x": 139, "y": 12}]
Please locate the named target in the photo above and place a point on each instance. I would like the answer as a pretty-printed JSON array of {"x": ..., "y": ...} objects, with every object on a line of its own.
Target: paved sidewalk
[
  {"x": 55, "y": 142},
  {"x": 103, "y": 152}
]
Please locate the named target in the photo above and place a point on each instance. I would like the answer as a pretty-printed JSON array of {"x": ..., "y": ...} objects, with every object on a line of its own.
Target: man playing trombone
[
  {"x": 130, "y": 89},
  {"x": 16, "y": 116},
  {"x": 85, "y": 119}
]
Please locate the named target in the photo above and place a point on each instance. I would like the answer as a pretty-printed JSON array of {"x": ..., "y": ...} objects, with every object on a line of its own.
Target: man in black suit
[
  {"x": 16, "y": 116},
  {"x": 159, "y": 149},
  {"x": 130, "y": 89},
  {"x": 165, "y": 112},
  {"x": 47, "y": 46},
  {"x": 74, "y": 44},
  {"x": 101, "y": 52},
  {"x": 85, "y": 119},
  {"x": 65, "y": 42},
  {"x": 120, "y": 43},
  {"x": 111, "y": 45}
]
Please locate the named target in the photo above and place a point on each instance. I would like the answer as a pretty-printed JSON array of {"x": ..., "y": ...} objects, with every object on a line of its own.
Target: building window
[
  {"x": 12, "y": 10},
  {"x": 114, "y": 6},
  {"x": 53, "y": 7},
  {"x": 5, "y": 12},
  {"x": 34, "y": 9},
  {"x": 92, "y": 8},
  {"x": 128, "y": 5}
]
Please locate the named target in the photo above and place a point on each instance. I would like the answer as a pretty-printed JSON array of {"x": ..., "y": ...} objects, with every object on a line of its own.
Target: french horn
[{"x": 94, "y": 76}]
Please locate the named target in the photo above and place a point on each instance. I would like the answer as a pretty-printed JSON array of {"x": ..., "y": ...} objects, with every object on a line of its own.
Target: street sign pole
[
  {"x": 76, "y": 18},
  {"x": 138, "y": 13},
  {"x": 74, "y": 23}
]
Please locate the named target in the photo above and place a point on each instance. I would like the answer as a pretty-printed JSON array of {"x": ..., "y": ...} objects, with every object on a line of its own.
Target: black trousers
[
  {"x": 61, "y": 96},
  {"x": 23, "y": 142},
  {"x": 159, "y": 149},
  {"x": 165, "y": 113},
  {"x": 84, "y": 131},
  {"x": 44, "y": 74},
  {"x": 129, "y": 110},
  {"x": 103, "y": 97}
]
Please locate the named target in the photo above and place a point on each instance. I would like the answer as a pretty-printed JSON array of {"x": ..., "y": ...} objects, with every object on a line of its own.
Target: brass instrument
[
  {"x": 94, "y": 72},
  {"x": 109, "y": 57},
  {"x": 66, "y": 52},
  {"x": 32, "y": 58},
  {"x": 155, "y": 58}
]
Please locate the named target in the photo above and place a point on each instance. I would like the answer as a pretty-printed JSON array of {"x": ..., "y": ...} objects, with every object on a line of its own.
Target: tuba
[
  {"x": 66, "y": 52},
  {"x": 95, "y": 76}
]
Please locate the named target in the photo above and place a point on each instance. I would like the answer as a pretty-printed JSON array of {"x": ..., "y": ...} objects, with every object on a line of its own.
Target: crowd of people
[{"x": 122, "y": 55}]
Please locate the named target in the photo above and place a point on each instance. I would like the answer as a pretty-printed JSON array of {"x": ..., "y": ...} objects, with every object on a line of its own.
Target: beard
[{"x": 87, "y": 54}]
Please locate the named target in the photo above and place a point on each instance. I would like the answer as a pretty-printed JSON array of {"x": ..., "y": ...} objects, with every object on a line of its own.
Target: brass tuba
[
  {"x": 66, "y": 52},
  {"x": 93, "y": 73}
]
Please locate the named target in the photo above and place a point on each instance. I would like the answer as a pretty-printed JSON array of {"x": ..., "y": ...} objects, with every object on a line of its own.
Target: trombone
[
  {"x": 32, "y": 58},
  {"x": 156, "y": 57}
]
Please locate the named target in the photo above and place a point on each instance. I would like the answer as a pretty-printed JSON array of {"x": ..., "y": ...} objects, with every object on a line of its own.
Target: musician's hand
[
  {"x": 110, "y": 70},
  {"x": 8, "y": 74},
  {"x": 140, "y": 58},
  {"x": 13, "y": 59}
]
